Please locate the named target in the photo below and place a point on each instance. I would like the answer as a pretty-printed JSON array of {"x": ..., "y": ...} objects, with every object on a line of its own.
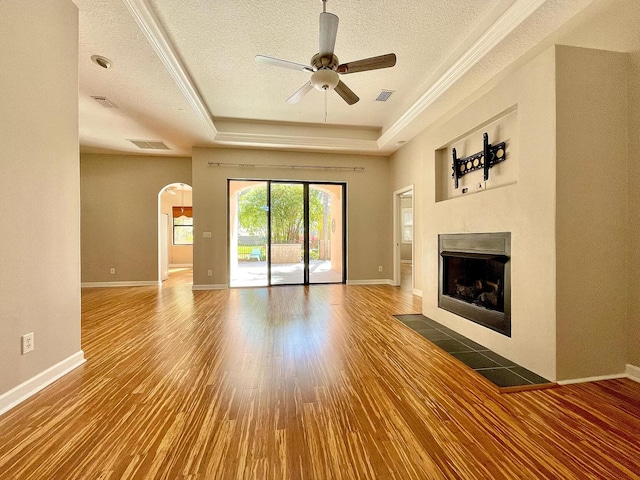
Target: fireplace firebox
[{"x": 475, "y": 278}]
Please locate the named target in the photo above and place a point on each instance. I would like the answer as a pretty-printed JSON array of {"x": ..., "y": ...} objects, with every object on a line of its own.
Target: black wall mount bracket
[{"x": 487, "y": 158}]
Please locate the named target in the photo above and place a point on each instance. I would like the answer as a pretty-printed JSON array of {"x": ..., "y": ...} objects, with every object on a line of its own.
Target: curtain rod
[{"x": 292, "y": 167}]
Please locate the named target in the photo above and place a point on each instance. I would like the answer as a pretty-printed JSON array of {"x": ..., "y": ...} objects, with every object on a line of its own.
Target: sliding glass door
[
  {"x": 248, "y": 233},
  {"x": 326, "y": 239},
  {"x": 286, "y": 233}
]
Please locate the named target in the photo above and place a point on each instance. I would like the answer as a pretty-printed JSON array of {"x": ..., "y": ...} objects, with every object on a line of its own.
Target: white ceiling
[{"x": 183, "y": 72}]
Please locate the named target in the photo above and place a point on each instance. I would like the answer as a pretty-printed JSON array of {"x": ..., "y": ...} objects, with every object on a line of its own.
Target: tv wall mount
[{"x": 487, "y": 158}]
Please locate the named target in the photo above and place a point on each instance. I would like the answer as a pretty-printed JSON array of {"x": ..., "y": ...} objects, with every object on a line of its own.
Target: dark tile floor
[{"x": 499, "y": 370}]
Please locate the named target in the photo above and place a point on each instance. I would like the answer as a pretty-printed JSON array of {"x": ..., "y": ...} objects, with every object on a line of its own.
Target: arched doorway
[{"x": 175, "y": 231}]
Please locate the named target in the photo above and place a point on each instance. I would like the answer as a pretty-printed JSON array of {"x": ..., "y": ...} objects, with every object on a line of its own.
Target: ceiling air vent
[
  {"x": 384, "y": 95},
  {"x": 104, "y": 101},
  {"x": 149, "y": 145}
]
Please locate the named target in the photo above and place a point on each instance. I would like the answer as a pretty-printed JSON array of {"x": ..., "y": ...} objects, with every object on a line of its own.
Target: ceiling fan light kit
[
  {"x": 325, "y": 67},
  {"x": 325, "y": 79}
]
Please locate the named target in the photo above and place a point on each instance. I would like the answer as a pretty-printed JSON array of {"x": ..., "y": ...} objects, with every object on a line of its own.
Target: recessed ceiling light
[
  {"x": 400, "y": 143},
  {"x": 101, "y": 61}
]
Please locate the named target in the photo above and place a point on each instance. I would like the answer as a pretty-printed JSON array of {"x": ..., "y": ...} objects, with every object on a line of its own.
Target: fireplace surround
[{"x": 475, "y": 278}]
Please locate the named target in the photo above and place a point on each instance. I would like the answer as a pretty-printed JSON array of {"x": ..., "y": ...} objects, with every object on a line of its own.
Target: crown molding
[
  {"x": 150, "y": 26},
  {"x": 509, "y": 20},
  {"x": 257, "y": 140}
]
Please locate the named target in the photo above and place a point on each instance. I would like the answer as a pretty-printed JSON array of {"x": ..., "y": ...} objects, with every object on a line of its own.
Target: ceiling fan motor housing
[{"x": 319, "y": 62}]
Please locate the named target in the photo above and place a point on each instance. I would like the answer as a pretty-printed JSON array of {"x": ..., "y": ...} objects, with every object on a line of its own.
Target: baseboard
[
  {"x": 120, "y": 284},
  {"x": 417, "y": 293},
  {"x": 181, "y": 265},
  {"x": 591, "y": 379},
  {"x": 633, "y": 372},
  {"x": 210, "y": 287},
  {"x": 32, "y": 386},
  {"x": 370, "y": 282}
]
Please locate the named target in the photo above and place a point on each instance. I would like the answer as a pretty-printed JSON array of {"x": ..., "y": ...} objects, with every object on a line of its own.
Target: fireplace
[{"x": 475, "y": 278}]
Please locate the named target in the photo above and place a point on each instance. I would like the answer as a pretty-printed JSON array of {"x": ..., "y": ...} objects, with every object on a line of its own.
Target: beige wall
[
  {"x": 526, "y": 208},
  {"x": 39, "y": 178},
  {"x": 634, "y": 211},
  {"x": 368, "y": 200},
  {"x": 120, "y": 214},
  {"x": 591, "y": 225},
  {"x": 567, "y": 202}
]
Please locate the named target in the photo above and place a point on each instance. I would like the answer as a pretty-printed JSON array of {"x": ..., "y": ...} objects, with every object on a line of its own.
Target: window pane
[{"x": 183, "y": 235}]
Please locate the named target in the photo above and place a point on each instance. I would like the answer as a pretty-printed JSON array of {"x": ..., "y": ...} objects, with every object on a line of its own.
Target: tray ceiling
[{"x": 183, "y": 72}]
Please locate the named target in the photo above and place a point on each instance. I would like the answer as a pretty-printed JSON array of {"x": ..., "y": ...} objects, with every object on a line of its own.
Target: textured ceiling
[{"x": 184, "y": 72}]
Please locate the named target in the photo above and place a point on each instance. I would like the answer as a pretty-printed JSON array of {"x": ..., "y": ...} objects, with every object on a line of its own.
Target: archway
[{"x": 175, "y": 230}]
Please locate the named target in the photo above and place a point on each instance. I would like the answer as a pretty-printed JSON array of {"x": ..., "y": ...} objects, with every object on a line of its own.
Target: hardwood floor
[
  {"x": 406, "y": 278},
  {"x": 299, "y": 383}
]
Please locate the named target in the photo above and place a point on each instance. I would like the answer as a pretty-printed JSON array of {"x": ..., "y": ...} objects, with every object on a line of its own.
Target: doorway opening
[
  {"x": 286, "y": 233},
  {"x": 403, "y": 251},
  {"x": 175, "y": 232}
]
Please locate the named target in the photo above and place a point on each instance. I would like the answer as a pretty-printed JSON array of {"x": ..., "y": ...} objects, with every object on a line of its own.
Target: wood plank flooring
[{"x": 299, "y": 383}]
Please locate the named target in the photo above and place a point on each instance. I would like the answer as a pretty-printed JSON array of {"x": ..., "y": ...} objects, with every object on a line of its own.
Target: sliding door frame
[{"x": 306, "y": 250}]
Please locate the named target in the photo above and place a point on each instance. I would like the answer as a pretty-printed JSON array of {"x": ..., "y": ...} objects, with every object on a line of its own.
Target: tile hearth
[{"x": 503, "y": 373}]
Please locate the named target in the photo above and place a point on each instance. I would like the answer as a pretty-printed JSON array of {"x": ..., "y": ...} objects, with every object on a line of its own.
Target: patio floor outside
[{"x": 254, "y": 273}]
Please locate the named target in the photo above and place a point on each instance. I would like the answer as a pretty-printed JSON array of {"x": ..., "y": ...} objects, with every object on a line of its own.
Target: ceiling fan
[{"x": 325, "y": 68}]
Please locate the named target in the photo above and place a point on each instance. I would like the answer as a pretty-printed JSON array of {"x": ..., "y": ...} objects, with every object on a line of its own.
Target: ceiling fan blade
[
  {"x": 276, "y": 62},
  {"x": 328, "y": 33},
  {"x": 373, "y": 63},
  {"x": 346, "y": 93},
  {"x": 301, "y": 92}
]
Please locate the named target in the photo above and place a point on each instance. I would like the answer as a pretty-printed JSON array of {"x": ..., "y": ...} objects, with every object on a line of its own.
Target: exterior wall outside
[
  {"x": 119, "y": 214},
  {"x": 369, "y": 212},
  {"x": 41, "y": 188}
]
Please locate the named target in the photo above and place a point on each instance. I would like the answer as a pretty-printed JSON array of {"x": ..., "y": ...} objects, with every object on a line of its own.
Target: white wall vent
[
  {"x": 104, "y": 101},
  {"x": 149, "y": 145},
  {"x": 384, "y": 95}
]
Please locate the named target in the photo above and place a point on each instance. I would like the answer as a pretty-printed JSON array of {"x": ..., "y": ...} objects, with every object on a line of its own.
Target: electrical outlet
[
  {"x": 379, "y": 268},
  {"x": 112, "y": 271},
  {"x": 27, "y": 343},
  {"x": 210, "y": 273}
]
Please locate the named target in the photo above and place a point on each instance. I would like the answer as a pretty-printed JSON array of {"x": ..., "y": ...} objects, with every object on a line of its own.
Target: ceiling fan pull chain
[{"x": 325, "y": 106}]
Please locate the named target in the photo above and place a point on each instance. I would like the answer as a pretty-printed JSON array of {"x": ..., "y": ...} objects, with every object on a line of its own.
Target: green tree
[{"x": 286, "y": 212}]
